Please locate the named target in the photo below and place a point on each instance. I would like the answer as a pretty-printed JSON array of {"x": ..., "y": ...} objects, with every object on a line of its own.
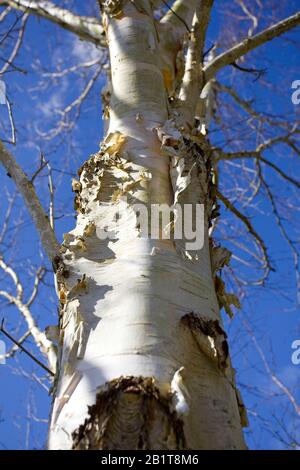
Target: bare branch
[
  {"x": 4, "y": 13},
  {"x": 42, "y": 342},
  {"x": 43, "y": 163},
  {"x": 74, "y": 68},
  {"x": 84, "y": 93},
  {"x": 25, "y": 350},
  {"x": 17, "y": 46},
  {"x": 246, "y": 106},
  {"x": 11, "y": 352},
  {"x": 251, "y": 17},
  {"x": 65, "y": 123},
  {"x": 192, "y": 78},
  {"x": 12, "y": 122},
  {"x": 284, "y": 389},
  {"x": 11, "y": 201},
  {"x": 204, "y": 10},
  {"x": 51, "y": 191},
  {"x": 283, "y": 230},
  {"x": 180, "y": 14},
  {"x": 250, "y": 43},
  {"x": 88, "y": 28},
  {"x": 250, "y": 228},
  {"x": 257, "y": 155},
  {"x": 32, "y": 202},
  {"x": 278, "y": 140},
  {"x": 8, "y": 270},
  {"x": 38, "y": 277}
]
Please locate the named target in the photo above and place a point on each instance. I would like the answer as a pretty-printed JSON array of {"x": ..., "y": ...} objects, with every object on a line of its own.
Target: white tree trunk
[{"x": 141, "y": 334}]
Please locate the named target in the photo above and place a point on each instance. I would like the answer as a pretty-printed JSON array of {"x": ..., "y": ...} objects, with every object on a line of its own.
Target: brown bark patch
[
  {"x": 225, "y": 299},
  {"x": 210, "y": 337},
  {"x": 130, "y": 413}
]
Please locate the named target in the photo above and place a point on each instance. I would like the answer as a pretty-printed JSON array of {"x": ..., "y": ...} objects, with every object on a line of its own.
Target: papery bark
[{"x": 141, "y": 334}]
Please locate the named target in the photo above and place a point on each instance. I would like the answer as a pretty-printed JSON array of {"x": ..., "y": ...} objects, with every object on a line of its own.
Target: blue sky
[{"x": 271, "y": 311}]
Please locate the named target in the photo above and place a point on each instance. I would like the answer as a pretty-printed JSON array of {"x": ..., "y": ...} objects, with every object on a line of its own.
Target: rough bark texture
[
  {"x": 144, "y": 360},
  {"x": 131, "y": 413}
]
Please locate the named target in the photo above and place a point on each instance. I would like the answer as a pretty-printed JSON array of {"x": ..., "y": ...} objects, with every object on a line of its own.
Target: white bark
[
  {"x": 124, "y": 300},
  {"x": 141, "y": 336}
]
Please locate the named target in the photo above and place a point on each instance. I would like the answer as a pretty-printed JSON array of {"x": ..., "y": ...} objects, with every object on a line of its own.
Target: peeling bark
[
  {"x": 210, "y": 336},
  {"x": 130, "y": 375},
  {"x": 134, "y": 408},
  {"x": 142, "y": 357}
]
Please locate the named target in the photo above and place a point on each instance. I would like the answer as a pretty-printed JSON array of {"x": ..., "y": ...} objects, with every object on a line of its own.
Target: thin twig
[
  {"x": 25, "y": 350},
  {"x": 177, "y": 16},
  {"x": 250, "y": 43},
  {"x": 250, "y": 228},
  {"x": 12, "y": 122}
]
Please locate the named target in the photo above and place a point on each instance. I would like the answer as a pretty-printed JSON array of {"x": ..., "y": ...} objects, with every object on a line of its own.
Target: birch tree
[{"x": 142, "y": 359}]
